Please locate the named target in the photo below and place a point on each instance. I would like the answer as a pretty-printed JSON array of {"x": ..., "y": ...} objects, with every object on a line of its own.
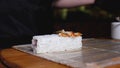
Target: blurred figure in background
[
  {"x": 112, "y": 6},
  {"x": 22, "y": 19}
]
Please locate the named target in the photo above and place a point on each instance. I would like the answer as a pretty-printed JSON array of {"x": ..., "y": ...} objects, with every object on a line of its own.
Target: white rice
[{"x": 55, "y": 43}]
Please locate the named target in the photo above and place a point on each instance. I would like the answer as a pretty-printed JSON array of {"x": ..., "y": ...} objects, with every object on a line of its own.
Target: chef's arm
[{"x": 72, "y": 3}]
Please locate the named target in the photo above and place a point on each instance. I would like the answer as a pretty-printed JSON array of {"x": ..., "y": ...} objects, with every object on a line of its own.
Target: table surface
[{"x": 18, "y": 59}]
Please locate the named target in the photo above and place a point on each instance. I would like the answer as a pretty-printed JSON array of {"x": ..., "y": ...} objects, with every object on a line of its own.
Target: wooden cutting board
[
  {"x": 95, "y": 53},
  {"x": 17, "y": 59}
]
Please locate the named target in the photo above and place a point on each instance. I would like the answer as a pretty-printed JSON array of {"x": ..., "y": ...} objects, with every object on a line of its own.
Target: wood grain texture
[
  {"x": 18, "y": 59},
  {"x": 107, "y": 49}
]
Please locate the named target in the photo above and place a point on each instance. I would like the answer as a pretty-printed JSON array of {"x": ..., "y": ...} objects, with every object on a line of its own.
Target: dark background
[{"x": 90, "y": 25}]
